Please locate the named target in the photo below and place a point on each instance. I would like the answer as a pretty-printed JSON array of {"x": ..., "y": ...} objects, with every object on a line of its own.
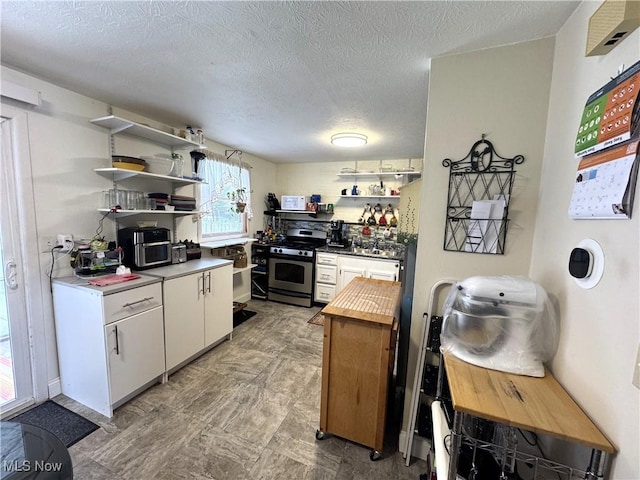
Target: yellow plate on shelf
[{"x": 128, "y": 166}]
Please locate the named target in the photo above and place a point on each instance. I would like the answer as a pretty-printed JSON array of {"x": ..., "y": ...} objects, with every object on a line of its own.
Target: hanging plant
[{"x": 239, "y": 199}]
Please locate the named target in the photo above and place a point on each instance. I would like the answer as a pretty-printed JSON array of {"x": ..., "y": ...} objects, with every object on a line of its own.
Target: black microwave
[{"x": 145, "y": 247}]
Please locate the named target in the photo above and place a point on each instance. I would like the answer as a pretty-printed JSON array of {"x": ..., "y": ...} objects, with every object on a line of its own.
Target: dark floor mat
[
  {"x": 241, "y": 316},
  {"x": 317, "y": 319},
  {"x": 68, "y": 426}
]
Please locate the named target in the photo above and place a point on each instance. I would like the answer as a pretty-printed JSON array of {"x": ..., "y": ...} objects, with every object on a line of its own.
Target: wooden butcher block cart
[{"x": 360, "y": 330}]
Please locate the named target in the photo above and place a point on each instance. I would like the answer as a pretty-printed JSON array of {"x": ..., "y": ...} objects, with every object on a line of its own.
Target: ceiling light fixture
[{"x": 349, "y": 139}]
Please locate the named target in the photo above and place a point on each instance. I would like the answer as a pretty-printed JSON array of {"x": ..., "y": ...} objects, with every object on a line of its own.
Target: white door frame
[{"x": 27, "y": 237}]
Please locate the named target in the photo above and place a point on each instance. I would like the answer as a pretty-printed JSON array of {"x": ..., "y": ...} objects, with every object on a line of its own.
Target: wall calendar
[
  {"x": 605, "y": 183},
  {"x": 607, "y": 145}
]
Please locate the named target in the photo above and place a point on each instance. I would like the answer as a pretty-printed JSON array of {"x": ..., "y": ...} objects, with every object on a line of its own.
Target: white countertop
[
  {"x": 147, "y": 277},
  {"x": 187, "y": 268},
  {"x": 83, "y": 283}
]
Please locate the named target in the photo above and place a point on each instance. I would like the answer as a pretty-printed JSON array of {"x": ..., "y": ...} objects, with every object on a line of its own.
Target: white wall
[
  {"x": 601, "y": 326},
  {"x": 502, "y": 92},
  {"x": 65, "y": 148}
]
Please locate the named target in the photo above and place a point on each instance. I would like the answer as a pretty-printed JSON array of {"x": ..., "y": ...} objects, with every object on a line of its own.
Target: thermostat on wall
[
  {"x": 580, "y": 263},
  {"x": 586, "y": 263}
]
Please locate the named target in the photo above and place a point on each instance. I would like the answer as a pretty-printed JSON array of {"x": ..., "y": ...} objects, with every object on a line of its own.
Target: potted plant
[{"x": 239, "y": 198}]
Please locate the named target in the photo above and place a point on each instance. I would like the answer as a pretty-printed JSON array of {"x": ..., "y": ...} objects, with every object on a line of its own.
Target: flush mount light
[{"x": 349, "y": 139}]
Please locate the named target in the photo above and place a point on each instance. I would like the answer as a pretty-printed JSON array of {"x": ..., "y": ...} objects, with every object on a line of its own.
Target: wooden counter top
[
  {"x": 368, "y": 300},
  {"x": 539, "y": 405}
]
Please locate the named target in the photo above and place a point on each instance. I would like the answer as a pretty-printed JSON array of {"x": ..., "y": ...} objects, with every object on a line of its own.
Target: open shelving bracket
[{"x": 481, "y": 175}]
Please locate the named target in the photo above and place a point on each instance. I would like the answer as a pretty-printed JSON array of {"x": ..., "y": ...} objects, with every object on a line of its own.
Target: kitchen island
[{"x": 360, "y": 330}]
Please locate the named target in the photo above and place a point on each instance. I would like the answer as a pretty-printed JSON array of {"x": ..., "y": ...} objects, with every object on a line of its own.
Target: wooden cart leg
[{"x": 456, "y": 442}]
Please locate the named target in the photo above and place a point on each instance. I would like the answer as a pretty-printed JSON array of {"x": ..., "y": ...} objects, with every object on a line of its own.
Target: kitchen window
[{"x": 223, "y": 177}]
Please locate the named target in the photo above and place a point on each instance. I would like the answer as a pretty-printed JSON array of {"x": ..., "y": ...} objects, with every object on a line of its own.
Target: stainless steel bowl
[{"x": 481, "y": 330}]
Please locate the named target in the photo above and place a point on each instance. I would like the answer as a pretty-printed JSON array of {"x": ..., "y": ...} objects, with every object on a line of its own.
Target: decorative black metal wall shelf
[{"x": 482, "y": 175}]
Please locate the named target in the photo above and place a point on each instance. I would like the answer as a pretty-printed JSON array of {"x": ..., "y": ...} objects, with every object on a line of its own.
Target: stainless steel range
[{"x": 291, "y": 267}]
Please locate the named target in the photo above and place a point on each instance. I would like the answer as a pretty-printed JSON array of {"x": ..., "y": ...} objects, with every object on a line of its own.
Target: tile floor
[{"x": 248, "y": 409}]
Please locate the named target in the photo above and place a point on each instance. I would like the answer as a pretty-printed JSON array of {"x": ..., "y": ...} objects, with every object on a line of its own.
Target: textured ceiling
[{"x": 274, "y": 79}]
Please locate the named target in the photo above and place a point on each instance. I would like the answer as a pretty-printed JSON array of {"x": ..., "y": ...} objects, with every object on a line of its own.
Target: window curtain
[{"x": 223, "y": 177}]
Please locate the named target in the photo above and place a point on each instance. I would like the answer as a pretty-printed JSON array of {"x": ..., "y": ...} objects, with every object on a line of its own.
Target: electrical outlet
[
  {"x": 46, "y": 243},
  {"x": 66, "y": 241},
  {"x": 636, "y": 370}
]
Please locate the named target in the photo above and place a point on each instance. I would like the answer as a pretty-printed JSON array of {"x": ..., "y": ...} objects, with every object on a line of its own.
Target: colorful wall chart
[{"x": 611, "y": 115}]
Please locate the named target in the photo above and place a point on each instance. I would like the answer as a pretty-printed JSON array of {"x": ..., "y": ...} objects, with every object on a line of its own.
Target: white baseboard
[
  {"x": 55, "y": 388},
  {"x": 420, "y": 448}
]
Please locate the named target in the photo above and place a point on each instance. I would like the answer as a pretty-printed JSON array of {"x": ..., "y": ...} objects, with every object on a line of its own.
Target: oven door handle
[
  {"x": 155, "y": 244},
  {"x": 291, "y": 258}
]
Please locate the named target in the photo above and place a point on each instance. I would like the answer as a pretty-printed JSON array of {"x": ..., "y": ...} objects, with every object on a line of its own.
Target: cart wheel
[
  {"x": 375, "y": 455},
  {"x": 319, "y": 435}
]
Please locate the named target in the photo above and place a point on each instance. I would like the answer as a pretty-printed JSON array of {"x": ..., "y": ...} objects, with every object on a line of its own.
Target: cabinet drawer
[
  {"x": 325, "y": 293},
  {"x": 124, "y": 304},
  {"x": 326, "y": 259},
  {"x": 326, "y": 274}
]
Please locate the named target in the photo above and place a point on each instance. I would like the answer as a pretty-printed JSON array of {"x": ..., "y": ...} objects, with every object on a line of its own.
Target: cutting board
[{"x": 113, "y": 279}]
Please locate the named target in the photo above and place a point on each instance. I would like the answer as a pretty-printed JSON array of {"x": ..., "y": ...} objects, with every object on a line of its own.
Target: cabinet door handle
[
  {"x": 117, "y": 345},
  {"x": 145, "y": 299},
  {"x": 200, "y": 290},
  {"x": 208, "y": 282}
]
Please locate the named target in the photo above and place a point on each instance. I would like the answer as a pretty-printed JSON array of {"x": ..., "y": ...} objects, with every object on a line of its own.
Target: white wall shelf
[
  {"x": 311, "y": 213},
  {"x": 122, "y": 125},
  {"x": 128, "y": 213},
  {"x": 244, "y": 269},
  {"x": 118, "y": 174},
  {"x": 379, "y": 174},
  {"x": 308, "y": 212},
  {"x": 369, "y": 196}
]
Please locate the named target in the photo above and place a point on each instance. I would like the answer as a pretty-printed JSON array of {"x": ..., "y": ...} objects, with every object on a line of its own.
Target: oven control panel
[{"x": 291, "y": 251}]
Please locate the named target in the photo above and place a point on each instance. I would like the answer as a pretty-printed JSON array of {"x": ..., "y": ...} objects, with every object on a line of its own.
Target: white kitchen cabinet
[
  {"x": 183, "y": 317},
  {"x": 326, "y": 274},
  {"x": 218, "y": 310},
  {"x": 198, "y": 312},
  {"x": 324, "y": 293},
  {"x": 383, "y": 274},
  {"x": 134, "y": 353},
  {"x": 350, "y": 267},
  {"x": 326, "y": 277},
  {"x": 348, "y": 270},
  {"x": 335, "y": 271},
  {"x": 99, "y": 368}
]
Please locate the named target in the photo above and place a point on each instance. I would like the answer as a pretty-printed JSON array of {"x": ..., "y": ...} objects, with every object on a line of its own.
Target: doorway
[{"x": 20, "y": 289}]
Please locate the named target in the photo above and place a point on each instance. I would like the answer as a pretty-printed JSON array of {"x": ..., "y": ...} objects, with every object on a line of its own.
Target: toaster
[{"x": 178, "y": 253}]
